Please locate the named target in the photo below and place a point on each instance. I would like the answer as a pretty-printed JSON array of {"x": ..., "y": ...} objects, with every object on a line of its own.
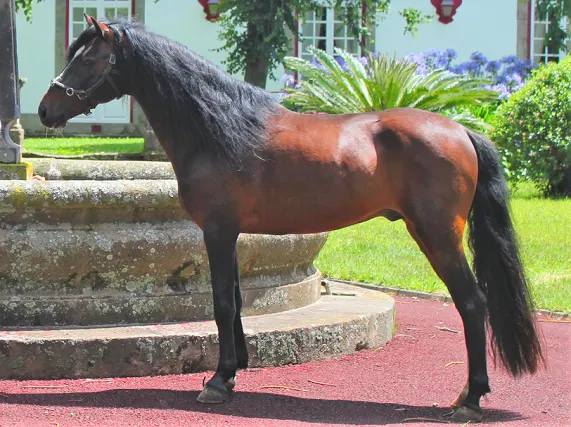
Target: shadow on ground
[{"x": 254, "y": 405}]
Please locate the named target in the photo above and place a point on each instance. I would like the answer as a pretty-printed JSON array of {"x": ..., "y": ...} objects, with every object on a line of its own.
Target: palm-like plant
[{"x": 380, "y": 83}]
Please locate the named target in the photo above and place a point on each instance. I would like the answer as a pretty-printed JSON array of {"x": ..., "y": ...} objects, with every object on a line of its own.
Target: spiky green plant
[{"x": 382, "y": 83}]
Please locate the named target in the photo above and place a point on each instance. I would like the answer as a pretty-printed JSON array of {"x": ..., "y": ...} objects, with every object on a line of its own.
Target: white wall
[
  {"x": 488, "y": 26},
  {"x": 36, "y": 53},
  {"x": 186, "y": 23}
]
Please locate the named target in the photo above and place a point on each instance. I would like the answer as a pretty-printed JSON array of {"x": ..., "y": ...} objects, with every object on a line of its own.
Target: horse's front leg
[{"x": 220, "y": 242}]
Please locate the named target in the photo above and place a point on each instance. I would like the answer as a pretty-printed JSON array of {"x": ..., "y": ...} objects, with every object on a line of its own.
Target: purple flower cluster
[
  {"x": 506, "y": 74},
  {"x": 288, "y": 80}
]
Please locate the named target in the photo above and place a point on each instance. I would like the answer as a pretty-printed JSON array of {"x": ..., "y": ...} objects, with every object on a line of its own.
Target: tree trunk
[
  {"x": 257, "y": 72},
  {"x": 257, "y": 56}
]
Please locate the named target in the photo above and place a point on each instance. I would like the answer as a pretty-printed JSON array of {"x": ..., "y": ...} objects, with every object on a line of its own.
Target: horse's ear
[
  {"x": 101, "y": 29},
  {"x": 88, "y": 19}
]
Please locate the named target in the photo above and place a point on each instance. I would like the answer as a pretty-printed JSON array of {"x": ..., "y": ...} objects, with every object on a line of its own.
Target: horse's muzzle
[{"x": 50, "y": 121}]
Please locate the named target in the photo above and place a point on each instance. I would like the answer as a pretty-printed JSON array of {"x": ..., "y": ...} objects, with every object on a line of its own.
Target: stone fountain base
[{"x": 348, "y": 320}]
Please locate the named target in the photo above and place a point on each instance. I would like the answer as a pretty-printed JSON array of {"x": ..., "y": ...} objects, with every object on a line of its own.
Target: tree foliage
[
  {"x": 256, "y": 37},
  {"x": 26, "y": 6}
]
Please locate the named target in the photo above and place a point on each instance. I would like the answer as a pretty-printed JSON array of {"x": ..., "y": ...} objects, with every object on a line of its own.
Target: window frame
[
  {"x": 100, "y": 6},
  {"x": 330, "y": 23},
  {"x": 543, "y": 56}
]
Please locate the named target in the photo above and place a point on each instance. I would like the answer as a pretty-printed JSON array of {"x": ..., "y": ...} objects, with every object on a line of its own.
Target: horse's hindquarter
[{"x": 320, "y": 173}]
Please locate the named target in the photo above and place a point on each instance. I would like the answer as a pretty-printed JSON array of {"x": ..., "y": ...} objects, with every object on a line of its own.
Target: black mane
[{"x": 190, "y": 98}]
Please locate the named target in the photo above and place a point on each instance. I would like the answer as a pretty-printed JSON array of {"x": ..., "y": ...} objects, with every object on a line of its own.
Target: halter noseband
[{"x": 84, "y": 94}]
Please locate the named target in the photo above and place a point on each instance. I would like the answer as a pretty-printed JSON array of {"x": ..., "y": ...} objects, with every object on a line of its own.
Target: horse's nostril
[{"x": 42, "y": 111}]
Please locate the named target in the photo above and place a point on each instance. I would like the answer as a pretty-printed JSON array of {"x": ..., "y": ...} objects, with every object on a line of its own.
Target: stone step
[{"x": 349, "y": 318}]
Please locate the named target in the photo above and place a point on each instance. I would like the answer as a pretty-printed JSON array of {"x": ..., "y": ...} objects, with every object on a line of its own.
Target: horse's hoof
[
  {"x": 212, "y": 395},
  {"x": 231, "y": 383},
  {"x": 467, "y": 415}
]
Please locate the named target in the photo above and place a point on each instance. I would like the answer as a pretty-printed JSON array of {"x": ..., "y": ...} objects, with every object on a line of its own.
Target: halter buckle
[{"x": 69, "y": 91}]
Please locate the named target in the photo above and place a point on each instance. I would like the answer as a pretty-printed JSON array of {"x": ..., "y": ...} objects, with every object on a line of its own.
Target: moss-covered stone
[
  {"x": 101, "y": 170},
  {"x": 19, "y": 171},
  {"x": 101, "y": 252}
]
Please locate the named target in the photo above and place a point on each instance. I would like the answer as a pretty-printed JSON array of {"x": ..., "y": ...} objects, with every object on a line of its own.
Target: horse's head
[{"x": 90, "y": 78}]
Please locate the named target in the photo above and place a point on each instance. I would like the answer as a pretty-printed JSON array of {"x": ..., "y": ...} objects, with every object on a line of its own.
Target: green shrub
[
  {"x": 533, "y": 130},
  {"x": 344, "y": 84}
]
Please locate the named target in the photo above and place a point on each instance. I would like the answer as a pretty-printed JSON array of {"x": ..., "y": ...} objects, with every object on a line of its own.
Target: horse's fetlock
[
  {"x": 227, "y": 369},
  {"x": 479, "y": 384},
  {"x": 472, "y": 305}
]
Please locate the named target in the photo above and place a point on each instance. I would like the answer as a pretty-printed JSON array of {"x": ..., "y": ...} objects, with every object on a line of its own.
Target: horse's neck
[{"x": 163, "y": 126}]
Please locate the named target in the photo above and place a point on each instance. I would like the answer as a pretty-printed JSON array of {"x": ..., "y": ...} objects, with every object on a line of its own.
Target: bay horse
[{"x": 245, "y": 164}]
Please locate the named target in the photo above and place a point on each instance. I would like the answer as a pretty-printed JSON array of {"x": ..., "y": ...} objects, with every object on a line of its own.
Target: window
[
  {"x": 325, "y": 29},
  {"x": 539, "y": 52},
  {"x": 99, "y": 9}
]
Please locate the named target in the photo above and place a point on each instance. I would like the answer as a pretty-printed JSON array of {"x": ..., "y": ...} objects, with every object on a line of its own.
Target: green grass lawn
[
  {"x": 87, "y": 145},
  {"x": 382, "y": 252}
]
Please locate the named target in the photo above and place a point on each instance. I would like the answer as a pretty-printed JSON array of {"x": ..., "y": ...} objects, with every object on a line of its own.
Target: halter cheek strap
[{"x": 83, "y": 94}]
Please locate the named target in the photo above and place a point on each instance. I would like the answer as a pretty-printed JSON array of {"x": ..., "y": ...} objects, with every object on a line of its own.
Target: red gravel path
[{"x": 406, "y": 379}]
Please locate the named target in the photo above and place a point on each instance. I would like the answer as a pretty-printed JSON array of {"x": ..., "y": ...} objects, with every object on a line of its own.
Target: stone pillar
[{"x": 11, "y": 166}]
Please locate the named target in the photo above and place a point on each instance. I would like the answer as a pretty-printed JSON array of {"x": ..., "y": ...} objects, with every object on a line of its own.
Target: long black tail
[{"x": 498, "y": 268}]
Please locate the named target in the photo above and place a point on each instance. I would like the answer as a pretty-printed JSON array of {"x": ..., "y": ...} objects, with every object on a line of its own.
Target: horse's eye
[{"x": 88, "y": 62}]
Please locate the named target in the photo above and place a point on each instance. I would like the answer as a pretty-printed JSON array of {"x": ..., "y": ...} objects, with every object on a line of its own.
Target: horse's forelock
[{"x": 82, "y": 40}]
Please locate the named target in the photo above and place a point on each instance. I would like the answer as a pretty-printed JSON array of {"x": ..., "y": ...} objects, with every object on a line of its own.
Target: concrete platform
[{"x": 347, "y": 319}]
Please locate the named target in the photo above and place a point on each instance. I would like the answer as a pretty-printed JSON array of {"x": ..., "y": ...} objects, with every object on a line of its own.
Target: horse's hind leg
[{"x": 441, "y": 242}]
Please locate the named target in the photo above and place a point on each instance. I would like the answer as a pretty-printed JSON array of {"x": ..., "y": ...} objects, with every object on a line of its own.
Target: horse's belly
[{"x": 311, "y": 212}]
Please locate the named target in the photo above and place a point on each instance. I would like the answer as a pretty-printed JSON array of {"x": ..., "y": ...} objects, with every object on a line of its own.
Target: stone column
[{"x": 11, "y": 166}]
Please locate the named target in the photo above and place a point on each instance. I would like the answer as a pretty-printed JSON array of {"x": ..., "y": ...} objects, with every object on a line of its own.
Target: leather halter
[{"x": 105, "y": 77}]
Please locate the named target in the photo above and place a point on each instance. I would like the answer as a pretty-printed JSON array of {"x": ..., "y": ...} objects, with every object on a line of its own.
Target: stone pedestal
[{"x": 19, "y": 171}]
